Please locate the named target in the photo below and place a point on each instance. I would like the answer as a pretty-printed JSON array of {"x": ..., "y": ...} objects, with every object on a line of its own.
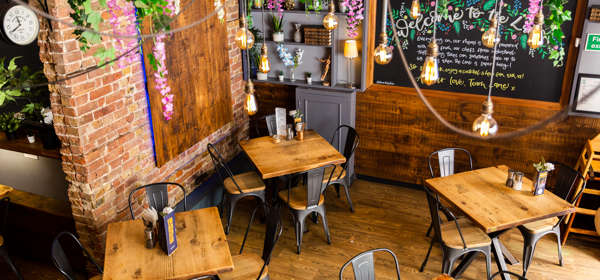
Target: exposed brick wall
[{"x": 102, "y": 120}]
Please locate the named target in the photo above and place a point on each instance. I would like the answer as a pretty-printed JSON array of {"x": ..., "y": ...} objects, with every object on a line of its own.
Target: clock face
[{"x": 20, "y": 25}]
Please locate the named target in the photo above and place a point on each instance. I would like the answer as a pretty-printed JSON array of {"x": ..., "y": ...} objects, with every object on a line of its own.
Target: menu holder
[
  {"x": 167, "y": 237},
  {"x": 280, "y": 121},
  {"x": 540, "y": 183}
]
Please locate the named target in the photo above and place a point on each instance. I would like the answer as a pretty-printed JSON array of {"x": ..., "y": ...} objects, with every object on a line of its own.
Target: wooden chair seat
[
  {"x": 246, "y": 267},
  {"x": 248, "y": 182},
  {"x": 336, "y": 174},
  {"x": 473, "y": 235},
  {"x": 298, "y": 199},
  {"x": 541, "y": 225}
]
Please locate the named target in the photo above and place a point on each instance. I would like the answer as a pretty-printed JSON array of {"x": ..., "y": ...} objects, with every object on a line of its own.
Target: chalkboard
[{"x": 465, "y": 64}]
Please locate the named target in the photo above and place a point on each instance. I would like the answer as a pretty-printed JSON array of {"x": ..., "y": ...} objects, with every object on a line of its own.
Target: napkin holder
[{"x": 167, "y": 237}]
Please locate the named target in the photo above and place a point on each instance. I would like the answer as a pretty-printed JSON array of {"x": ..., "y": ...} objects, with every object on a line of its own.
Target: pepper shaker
[
  {"x": 510, "y": 179},
  {"x": 149, "y": 236}
]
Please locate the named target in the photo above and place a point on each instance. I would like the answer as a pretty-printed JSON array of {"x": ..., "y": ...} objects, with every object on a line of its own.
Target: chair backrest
[
  {"x": 313, "y": 181},
  {"x": 563, "y": 182},
  {"x": 446, "y": 161},
  {"x": 60, "y": 259},
  {"x": 520, "y": 277},
  {"x": 435, "y": 205},
  {"x": 157, "y": 195},
  {"x": 221, "y": 167},
  {"x": 347, "y": 141},
  {"x": 271, "y": 124},
  {"x": 364, "y": 267},
  {"x": 3, "y": 213}
]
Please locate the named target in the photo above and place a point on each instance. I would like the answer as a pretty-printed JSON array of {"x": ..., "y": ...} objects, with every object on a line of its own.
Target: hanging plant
[
  {"x": 554, "y": 46},
  {"x": 354, "y": 16}
]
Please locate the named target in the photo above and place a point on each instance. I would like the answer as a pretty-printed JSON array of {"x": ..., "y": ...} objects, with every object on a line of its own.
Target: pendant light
[
  {"x": 536, "y": 34},
  {"x": 489, "y": 37},
  {"x": 330, "y": 21},
  {"x": 244, "y": 39},
  {"x": 485, "y": 124},
  {"x": 250, "y": 105},
  {"x": 383, "y": 53},
  {"x": 430, "y": 72},
  {"x": 415, "y": 9},
  {"x": 264, "y": 66}
]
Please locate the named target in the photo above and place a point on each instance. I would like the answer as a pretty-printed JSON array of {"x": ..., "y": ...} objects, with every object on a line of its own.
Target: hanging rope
[{"x": 498, "y": 12}]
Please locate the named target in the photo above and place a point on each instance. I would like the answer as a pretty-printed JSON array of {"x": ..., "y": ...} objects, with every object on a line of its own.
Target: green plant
[
  {"x": 315, "y": 5},
  {"x": 17, "y": 82},
  {"x": 33, "y": 111},
  {"x": 555, "y": 36},
  {"x": 543, "y": 166},
  {"x": 279, "y": 72},
  {"x": 277, "y": 23},
  {"x": 8, "y": 122},
  {"x": 308, "y": 74}
]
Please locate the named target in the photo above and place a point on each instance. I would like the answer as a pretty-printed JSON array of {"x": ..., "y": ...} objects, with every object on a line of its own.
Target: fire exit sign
[{"x": 592, "y": 42}]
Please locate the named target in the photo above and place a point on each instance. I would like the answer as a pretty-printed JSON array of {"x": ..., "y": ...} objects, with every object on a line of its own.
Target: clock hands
[{"x": 18, "y": 26}]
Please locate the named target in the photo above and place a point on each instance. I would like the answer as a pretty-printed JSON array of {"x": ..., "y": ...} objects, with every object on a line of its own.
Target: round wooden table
[{"x": 597, "y": 221}]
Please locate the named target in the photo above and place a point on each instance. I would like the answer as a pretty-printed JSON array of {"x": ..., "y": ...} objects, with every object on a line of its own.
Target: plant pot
[
  {"x": 261, "y": 76},
  {"x": 280, "y": 77},
  {"x": 540, "y": 183},
  {"x": 46, "y": 133},
  {"x": 278, "y": 37},
  {"x": 309, "y": 80},
  {"x": 31, "y": 139}
]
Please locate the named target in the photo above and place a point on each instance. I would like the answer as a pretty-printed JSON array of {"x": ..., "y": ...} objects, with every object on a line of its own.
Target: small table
[
  {"x": 5, "y": 190},
  {"x": 202, "y": 249},
  {"x": 289, "y": 157},
  {"x": 483, "y": 196}
]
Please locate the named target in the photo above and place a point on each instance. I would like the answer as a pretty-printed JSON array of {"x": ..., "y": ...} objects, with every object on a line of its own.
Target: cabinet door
[{"x": 325, "y": 110}]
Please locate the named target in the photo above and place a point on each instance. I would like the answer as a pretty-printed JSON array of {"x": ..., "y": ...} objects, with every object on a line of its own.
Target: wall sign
[
  {"x": 465, "y": 64},
  {"x": 588, "y": 88},
  {"x": 593, "y": 42}
]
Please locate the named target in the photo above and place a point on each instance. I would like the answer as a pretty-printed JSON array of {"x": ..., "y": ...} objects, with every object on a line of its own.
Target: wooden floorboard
[{"x": 396, "y": 218}]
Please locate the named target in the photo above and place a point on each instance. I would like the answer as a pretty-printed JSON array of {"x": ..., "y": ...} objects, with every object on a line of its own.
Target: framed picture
[{"x": 587, "y": 96}]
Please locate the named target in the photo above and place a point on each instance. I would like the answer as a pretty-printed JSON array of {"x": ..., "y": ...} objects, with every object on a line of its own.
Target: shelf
[
  {"x": 286, "y": 42},
  {"x": 310, "y": 13},
  {"x": 302, "y": 83},
  {"x": 22, "y": 146}
]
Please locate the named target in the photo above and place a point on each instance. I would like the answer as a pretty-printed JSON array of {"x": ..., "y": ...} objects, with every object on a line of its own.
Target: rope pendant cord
[
  {"x": 498, "y": 15},
  {"x": 435, "y": 20}
]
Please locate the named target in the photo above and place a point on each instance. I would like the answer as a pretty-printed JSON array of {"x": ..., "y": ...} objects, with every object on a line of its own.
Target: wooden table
[
  {"x": 482, "y": 195},
  {"x": 202, "y": 249},
  {"x": 5, "y": 190},
  {"x": 289, "y": 157}
]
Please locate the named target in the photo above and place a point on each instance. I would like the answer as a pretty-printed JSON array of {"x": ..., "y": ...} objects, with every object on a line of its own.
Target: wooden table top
[
  {"x": 288, "y": 157},
  {"x": 483, "y": 196},
  {"x": 202, "y": 249},
  {"x": 4, "y": 190}
]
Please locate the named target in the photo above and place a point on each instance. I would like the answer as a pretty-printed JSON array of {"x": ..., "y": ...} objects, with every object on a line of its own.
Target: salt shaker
[
  {"x": 510, "y": 178},
  {"x": 290, "y": 132},
  {"x": 149, "y": 236},
  {"x": 518, "y": 181}
]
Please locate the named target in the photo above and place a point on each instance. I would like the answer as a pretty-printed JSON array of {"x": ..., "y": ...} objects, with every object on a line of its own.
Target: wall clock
[{"x": 19, "y": 24}]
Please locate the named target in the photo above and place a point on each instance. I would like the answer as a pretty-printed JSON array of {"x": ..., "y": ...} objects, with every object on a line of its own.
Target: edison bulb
[
  {"x": 536, "y": 34},
  {"x": 415, "y": 9},
  {"x": 383, "y": 54},
  {"x": 330, "y": 21},
  {"x": 250, "y": 104},
  {"x": 489, "y": 37},
  {"x": 430, "y": 73},
  {"x": 244, "y": 39},
  {"x": 485, "y": 125},
  {"x": 264, "y": 65}
]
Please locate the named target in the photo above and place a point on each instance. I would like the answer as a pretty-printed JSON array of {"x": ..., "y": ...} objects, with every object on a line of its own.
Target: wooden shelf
[
  {"x": 286, "y": 42},
  {"x": 302, "y": 83},
  {"x": 310, "y": 13},
  {"x": 22, "y": 146}
]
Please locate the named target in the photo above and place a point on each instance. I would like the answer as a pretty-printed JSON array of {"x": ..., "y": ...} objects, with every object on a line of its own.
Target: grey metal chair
[
  {"x": 507, "y": 272},
  {"x": 157, "y": 195},
  {"x": 236, "y": 187},
  {"x": 349, "y": 144},
  {"x": 446, "y": 165},
  {"x": 264, "y": 126},
  {"x": 3, "y": 251},
  {"x": 562, "y": 182},
  {"x": 457, "y": 237},
  {"x": 363, "y": 264},
  {"x": 273, "y": 232},
  {"x": 307, "y": 198},
  {"x": 271, "y": 124},
  {"x": 60, "y": 259}
]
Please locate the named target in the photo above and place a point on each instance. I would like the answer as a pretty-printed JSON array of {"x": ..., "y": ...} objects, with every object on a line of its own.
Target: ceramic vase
[
  {"x": 278, "y": 37},
  {"x": 297, "y": 33}
]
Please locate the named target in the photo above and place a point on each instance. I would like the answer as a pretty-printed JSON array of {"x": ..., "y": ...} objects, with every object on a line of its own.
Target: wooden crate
[
  {"x": 317, "y": 35},
  {"x": 595, "y": 13}
]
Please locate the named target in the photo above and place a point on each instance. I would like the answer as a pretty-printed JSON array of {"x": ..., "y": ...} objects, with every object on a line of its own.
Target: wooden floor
[{"x": 396, "y": 218}]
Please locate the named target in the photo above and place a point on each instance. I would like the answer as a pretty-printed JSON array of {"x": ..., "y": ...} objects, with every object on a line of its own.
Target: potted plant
[
  {"x": 280, "y": 75},
  {"x": 9, "y": 123},
  {"x": 257, "y": 4},
  {"x": 542, "y": 168},
  {"x": 278, "y": 28},
  {"x": 308, "y": 76}
]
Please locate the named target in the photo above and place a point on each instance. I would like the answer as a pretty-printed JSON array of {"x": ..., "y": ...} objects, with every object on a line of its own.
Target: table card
[
  {"x": 166, "y": 232},
  {"x": 280, "y": 121}
]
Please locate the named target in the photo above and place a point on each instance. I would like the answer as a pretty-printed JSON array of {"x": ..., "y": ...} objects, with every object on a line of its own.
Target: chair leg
[
  {"x": 299, "y": 233},
  {"x": 528, "y": 255},
  {"x": 426, "y": 256},
  {"x": 4, "y": 254},
  {"x": 429, "y": 229},
  {"x": 560, "y": 259},
  {"x": 232, "y": 202},
  {"x": 248, "y": 228},
  {"x": 488, "y": 262},
  {"x": 325, "y": 225},
  {"x": 348, "y": 198}
]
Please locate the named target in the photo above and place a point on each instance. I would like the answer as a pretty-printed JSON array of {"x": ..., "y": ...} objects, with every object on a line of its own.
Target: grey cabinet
[{"x": 325, "y": 109}]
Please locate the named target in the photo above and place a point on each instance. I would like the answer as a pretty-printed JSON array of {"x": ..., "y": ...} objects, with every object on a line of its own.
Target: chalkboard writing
[{"x": 464, "y": 63}]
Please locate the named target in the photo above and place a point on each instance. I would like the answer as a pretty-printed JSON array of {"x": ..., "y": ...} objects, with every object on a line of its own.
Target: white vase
[
  {"x": 31, "y": 139},
  {"x": 278, "y": 37},
  {"x": 309, "y": 80},
  {"x": 261, "y": 76},
  {"x": 280, "y": 78}
]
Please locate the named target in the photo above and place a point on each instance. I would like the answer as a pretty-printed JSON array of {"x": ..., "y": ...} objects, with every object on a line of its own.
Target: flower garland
[
  {"x": 121, "y": 45},
  {"x": 354, "y": 16},
  {"x": 534, "y": 7},
  {"x": 220, "y": 13},
  {"x": 160, "y": 75}
]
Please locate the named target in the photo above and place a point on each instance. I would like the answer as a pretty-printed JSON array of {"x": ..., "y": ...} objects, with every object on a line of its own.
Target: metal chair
[
  {"x": 457, "y": 237},
  {"x": 259, "y": 126},
  {"x": 3, "y": 251},
  {"x": 247, "y": 266},
  {"x": 507, "y": 272},
  {"x": 61, "y": 261},
  {"x": 565, "y": 180},
  {"x": 271, "y": 124},
  {"x": 446, "y": 165},
  {"x": 157, "y": 195},
  {"x": 236, "y": 187},
  {"x": 349, "y": 147},
  {"x": 308, "y": 198},
  {"x": 363, "y": 264}
]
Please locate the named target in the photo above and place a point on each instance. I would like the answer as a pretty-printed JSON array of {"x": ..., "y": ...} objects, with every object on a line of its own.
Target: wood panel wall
[{"x": 198, "y": 65}]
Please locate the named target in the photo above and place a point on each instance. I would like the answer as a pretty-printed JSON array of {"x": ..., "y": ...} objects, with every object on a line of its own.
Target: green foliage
[
  {"x": 277, "y": 23},
  {"x": 33, "y": 111},
  {"x": 8, "y": 122},
  {"x": 313, "y": 5},
  {"x": 308, "y": 74},
  {"x": 15, "y": 82},
  {"x": 554, "y": 35}
]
